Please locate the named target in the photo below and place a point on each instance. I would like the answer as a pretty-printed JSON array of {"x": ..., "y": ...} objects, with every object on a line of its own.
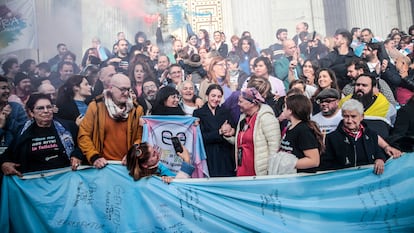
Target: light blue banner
[{"x": 108, "y": 200}]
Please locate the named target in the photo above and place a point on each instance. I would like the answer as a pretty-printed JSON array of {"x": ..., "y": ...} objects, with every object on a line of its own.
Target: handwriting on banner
[
  {"x": 190, "y": 198},
  {"x": 271, "y": 201},
  {"x": 176, "y": 227},
  {"x": 85, "y": 193},
  {"x": 80, "y": 224},
  {"x": 376, "y": 201},
  {"x": 113, "y": 204}
]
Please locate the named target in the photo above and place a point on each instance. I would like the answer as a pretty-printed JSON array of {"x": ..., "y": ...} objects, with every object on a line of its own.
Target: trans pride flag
[{"x": 158, "y": 130}]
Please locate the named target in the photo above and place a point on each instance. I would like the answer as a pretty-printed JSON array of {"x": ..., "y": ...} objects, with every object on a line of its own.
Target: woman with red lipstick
[{"x": 215, "y": 121}]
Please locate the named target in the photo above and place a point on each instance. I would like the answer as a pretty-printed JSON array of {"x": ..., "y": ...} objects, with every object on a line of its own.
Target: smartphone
[{"x": 176, "y": 144}]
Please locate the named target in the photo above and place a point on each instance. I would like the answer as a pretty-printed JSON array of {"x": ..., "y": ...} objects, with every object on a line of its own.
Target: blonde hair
[{"x": 211, "y": 75}]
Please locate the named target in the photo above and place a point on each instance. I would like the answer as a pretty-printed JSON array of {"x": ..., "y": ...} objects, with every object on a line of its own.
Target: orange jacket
[{"x": 91, "y": 131}]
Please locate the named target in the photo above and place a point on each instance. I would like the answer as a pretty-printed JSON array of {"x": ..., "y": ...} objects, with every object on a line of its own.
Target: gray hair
[{"x": 353, "y": 105}]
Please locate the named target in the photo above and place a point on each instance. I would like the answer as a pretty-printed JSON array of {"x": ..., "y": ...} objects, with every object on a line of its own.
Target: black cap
[{"x": 328, "y": 93}]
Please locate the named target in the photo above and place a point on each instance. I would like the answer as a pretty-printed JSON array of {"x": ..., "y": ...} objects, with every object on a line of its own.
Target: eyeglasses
[
  {"x": 123, "y": 89},
  {"x": 150, "y": 87},
  {"x": 221, "y": 64},
  {"x": 42, "y": 108},
  {"x": 321, "y": 101}
]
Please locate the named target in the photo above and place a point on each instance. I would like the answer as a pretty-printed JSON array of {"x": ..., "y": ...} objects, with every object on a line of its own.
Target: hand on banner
[
  {"x": 74, "y": 163},
  {"x": 100, "y": 163},
  {"x": 379, "y": 166},
  {"x": 124, "y": 159},
  {"x": 167, "y": 179},
  {"x": 9, "y": 168}
]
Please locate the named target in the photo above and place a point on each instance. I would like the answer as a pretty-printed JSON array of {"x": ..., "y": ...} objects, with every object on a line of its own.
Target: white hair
[{"x": 353, "y": 105}]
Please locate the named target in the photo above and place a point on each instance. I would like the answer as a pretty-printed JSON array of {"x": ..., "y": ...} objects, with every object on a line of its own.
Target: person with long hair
[
  {"x": 137, "y": 73},
  {"x": 219, "y": 151},
  {"x": 326, "y": 78},
  {"x": 303, "y": 137},
  {"x": 71, "y": 99},
  {"x": 246, "y": 50},
  {"x": 309, "y": 71},
  {"x": 203, "y": 39},
  {"x": 142, "y": 160},
  {"x": 192, "y": 45},
  {"x": 217, "y": 74}
]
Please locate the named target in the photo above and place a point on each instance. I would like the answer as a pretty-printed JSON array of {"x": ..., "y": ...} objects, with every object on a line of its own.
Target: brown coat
[{"x": 92, "y": 134}]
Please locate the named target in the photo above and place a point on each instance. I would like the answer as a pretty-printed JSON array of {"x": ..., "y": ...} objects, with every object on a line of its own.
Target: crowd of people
[{"x": 316, "y": 103}]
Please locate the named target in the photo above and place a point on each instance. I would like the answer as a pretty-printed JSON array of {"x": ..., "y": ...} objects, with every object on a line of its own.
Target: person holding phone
[{"x": 143, "y": 160}]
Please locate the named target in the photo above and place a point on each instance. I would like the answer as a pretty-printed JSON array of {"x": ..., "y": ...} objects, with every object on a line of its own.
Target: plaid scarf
[{"x": 115, "y": 112}]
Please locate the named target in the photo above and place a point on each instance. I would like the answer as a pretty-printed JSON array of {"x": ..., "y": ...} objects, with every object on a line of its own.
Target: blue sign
[{"x": 108, "y": 200}]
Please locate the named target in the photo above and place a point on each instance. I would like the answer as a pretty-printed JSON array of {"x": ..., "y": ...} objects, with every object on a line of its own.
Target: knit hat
[
  {"x": 19, "y": 77},
  {"x": 328, "y": 93},
  {"x": 252, "y": 95}
]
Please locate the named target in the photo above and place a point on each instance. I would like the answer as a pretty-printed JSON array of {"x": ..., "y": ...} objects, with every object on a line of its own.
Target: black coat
[
  {"x": 402, "y": 136},
  {"x": 220, "y": 156},
  {"x": 67, "y": 110},
  {"x": 337, "y": 63},
  {"x": 341, "y": 151}
]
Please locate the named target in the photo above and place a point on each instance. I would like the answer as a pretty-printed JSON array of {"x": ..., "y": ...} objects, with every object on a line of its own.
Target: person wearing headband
[{"x": 257, "y": 134}]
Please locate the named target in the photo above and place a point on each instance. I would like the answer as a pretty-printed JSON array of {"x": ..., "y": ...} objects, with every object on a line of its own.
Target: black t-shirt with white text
[
  {"x": 298, "y": 139},
  {"x": 46, "y": 150}
]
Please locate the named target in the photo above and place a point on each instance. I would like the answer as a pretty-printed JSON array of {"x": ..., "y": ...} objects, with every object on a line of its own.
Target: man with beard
[
  {"x": 356, "y": 67},
  {"x": 379, "y": 113},
  {"x": 330, "y": 115},
  {"x": 382, "y": 69},
  {"x": 149, "y": 92},
  {"x": 111, "y": 124},
  {"x": 121, "y": 59},
  {"x": 23, "y": 87},
  {"x": 340, "y": 56}
]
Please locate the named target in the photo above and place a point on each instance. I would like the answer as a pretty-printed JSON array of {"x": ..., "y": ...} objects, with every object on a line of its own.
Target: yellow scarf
[{"x": 379, "y": 108}]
